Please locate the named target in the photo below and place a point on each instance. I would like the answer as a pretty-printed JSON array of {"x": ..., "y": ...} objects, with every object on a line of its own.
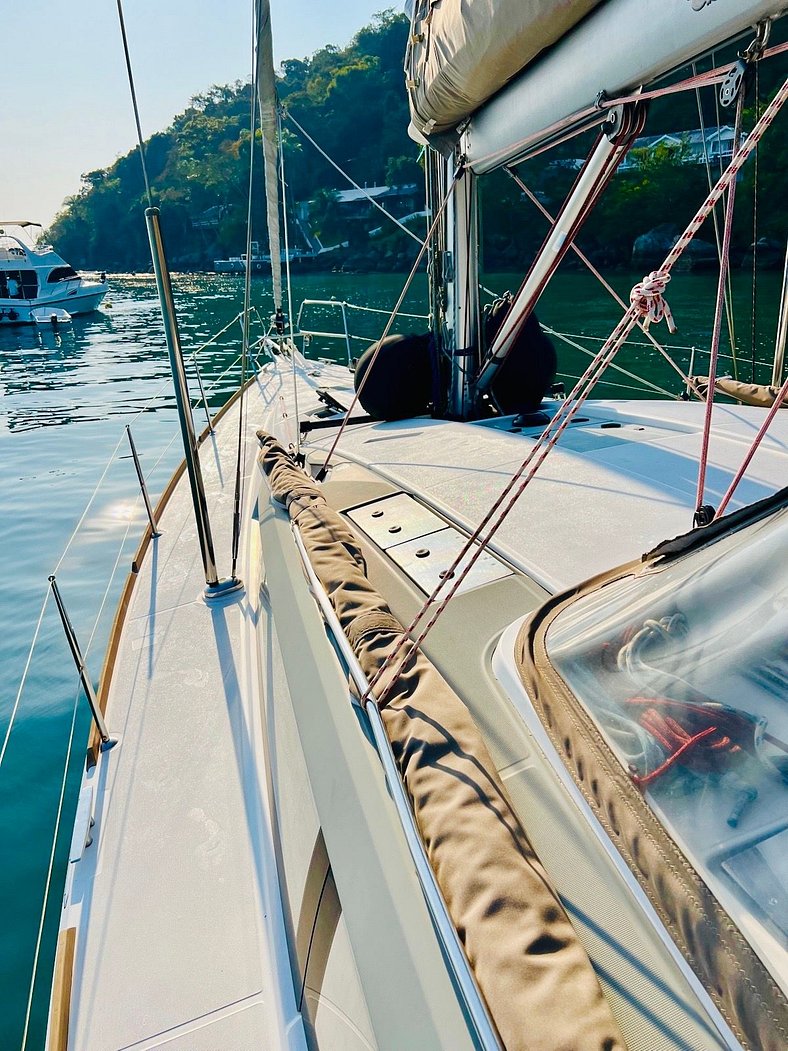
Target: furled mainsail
[
  {"x": 266, "y": 93},
  {"x": 463, "y": 51}
]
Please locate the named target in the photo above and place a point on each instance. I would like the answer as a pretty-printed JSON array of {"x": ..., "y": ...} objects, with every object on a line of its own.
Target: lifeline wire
[
  {"x": 322, "y": 472},
  {"x": 240, "y": 469},
  {"x": 134, "y": 102},
  {"x": 640, "y": 305}
]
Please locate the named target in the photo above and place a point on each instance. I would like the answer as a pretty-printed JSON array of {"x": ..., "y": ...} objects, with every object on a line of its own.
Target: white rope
[
  {"x": 23, "y": 680},
  {"x": 648, "y": 299}
]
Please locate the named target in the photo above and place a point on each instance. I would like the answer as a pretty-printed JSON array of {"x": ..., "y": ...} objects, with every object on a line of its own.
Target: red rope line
[
  {"x": 781, "y": 395},
  {"x": 563, "y": 416},
  {"x": 644, "y": 780}
]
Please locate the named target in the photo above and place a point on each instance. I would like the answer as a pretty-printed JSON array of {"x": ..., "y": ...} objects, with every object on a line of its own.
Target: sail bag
[
  {"x": 463, "y": 51},
  {"x": 539, "y": 984}
]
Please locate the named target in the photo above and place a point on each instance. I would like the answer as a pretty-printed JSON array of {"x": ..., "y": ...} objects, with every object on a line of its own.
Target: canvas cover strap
[{"x": 533, "y": 972}]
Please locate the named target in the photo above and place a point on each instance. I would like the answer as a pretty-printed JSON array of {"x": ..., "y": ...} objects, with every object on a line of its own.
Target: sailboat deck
[
  {"x": 180, "y": 936},
  {"x": 181, "y": 940},
  {"x": 622, "y": 479}
]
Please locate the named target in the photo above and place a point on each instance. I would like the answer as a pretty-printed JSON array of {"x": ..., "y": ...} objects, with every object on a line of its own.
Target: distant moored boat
[{"x": 37, "y": 285}]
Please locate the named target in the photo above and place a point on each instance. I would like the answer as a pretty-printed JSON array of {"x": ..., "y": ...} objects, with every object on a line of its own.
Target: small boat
[
  {"x": 258, "y": 262},
  {"x": 37, "y": 286},
  {"x": 236, "y": 264}
]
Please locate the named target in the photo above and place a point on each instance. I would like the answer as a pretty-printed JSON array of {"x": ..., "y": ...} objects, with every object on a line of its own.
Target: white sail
[
  {"x": 515, "y": 69},
  {"x": 266, "y": 92}
]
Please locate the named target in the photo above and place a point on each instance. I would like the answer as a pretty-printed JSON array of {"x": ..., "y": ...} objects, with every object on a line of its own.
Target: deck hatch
[
  {"x": 395, "y": 519},
  {"x": 420, "y": 542}
]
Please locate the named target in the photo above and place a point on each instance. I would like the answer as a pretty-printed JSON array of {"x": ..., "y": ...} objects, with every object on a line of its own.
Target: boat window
[
  {"x": 684, "y": 669},
  {"x": 61, "y": 273},
  {"x": 18, "y": 284}
]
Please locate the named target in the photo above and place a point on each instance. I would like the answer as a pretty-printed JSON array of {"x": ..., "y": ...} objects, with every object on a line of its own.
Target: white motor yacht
[{"x": 38, "y": 285}]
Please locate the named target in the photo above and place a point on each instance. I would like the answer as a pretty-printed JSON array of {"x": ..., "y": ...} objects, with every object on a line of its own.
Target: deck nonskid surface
[
  {"x": 604, "y": 495},
  {"x": 179, "y": 939}
]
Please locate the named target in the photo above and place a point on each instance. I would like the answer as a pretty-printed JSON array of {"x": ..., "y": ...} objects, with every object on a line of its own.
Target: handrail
[
  {"x": 444, "y": 926},
  {"x": 345, "y": 334}
]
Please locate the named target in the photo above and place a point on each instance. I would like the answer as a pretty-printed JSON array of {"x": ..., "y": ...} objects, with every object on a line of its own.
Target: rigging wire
[
  {"x": 715, "y": 220},
  {"x": 640, "y": 305},
  {"x": 606, "y": 285},
  {"x": 61, "y": 798},
  {"x": 287, "y": 275},
  {"x": 754, "y": 312},
  {"x": 715, "y": 335},
  {"x": 50, "y": 869},
  {"x": 134, "y": 103},
  {"x": 25, "y": 671},
  {"x": 352, "y": 182},
  {"x": 566, "y": 338},
  {"x": 438, "y": 216},
  {"x": 240, "y": 457}
]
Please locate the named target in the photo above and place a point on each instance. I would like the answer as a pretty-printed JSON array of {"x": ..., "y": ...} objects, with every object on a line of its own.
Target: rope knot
[{"x": 647, "y": 297}]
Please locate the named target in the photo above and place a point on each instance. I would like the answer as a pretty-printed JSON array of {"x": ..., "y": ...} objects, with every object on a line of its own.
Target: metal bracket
[
  {"x": 731, "y": 86},
  {"x": 735, "y": 79}
]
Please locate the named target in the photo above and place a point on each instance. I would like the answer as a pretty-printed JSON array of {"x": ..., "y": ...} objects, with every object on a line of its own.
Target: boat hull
[{"x": 81, "y": 300}]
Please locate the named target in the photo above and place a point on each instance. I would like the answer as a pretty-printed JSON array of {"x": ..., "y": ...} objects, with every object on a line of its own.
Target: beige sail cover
[
  {"x": 760, "y": 394},
  {"x": 538, "y": 982},
  {"x": 463, "y": 51}
]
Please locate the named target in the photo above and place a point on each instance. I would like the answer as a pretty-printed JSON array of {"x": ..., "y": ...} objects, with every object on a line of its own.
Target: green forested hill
[{"x": 352, "y": 101}]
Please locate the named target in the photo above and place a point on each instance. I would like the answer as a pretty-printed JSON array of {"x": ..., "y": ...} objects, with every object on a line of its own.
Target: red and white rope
[
  {"x": 563, "y": 416},
  {"x": 647, "y": 298},
  {"x": 782, "y": 394}
]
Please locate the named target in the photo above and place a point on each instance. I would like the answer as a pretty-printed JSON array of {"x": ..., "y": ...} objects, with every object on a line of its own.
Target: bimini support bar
[
  {"x": 106, "y": 741},
  {"x": 610, "y": 150},
  {"x": 447, "y": 933},
  {"x": 214, "y": 587}
]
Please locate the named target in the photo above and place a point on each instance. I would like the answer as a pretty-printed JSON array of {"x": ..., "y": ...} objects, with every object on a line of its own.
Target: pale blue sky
[{"x": 64, "y": 99}]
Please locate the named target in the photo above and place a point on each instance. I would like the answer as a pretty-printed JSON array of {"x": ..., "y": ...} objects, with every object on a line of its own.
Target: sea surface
[{"x": 69, "y": 505}]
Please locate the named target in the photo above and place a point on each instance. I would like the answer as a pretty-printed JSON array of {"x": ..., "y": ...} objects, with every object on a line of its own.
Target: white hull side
[{"x": 83, "y": 301}]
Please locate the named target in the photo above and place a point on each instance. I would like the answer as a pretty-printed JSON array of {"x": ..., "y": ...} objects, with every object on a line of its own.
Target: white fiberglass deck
[
  {"x": 620, "y": 480},
  {"x": 180, "y": 938},
  {"x": 179, "y": 933}
]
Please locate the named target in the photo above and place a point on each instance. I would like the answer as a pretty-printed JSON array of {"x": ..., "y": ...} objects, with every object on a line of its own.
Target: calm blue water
[{"x": 64, "y": 400}]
